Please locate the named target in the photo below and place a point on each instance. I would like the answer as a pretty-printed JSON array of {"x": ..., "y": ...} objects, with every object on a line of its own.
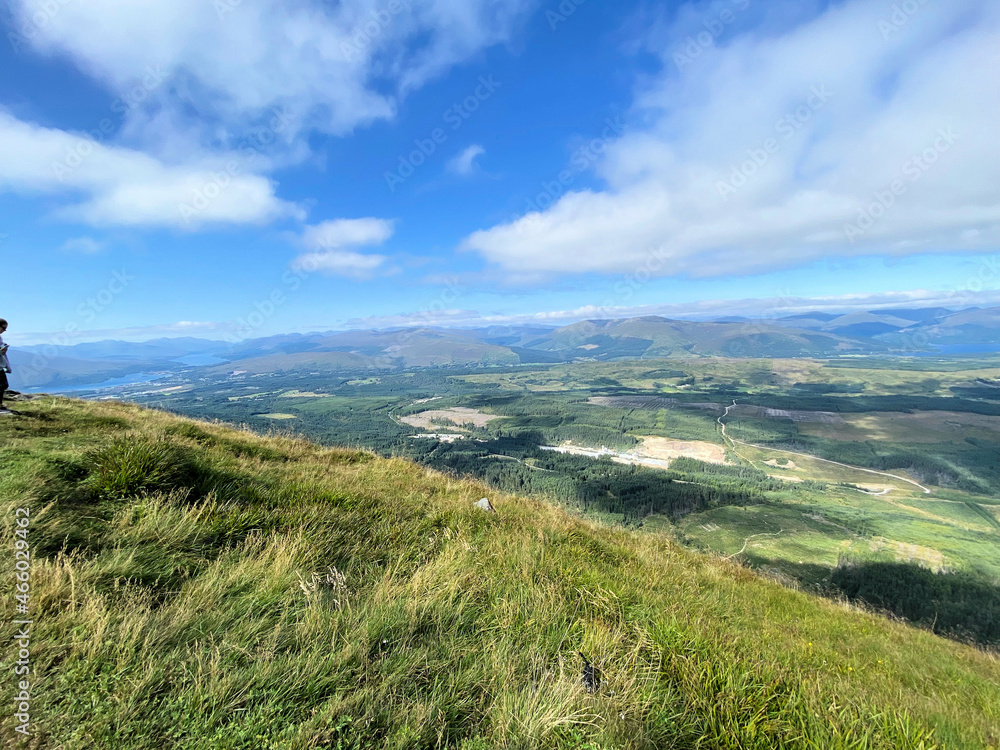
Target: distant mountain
[
  {"x": 36, "y": 371},
  {"x": 920, "y": 315},
  {"x": 908, "y": 330},
  {"x": 51, "y": 366},
  {"x": 303, "y": 362},
  {"x": 162, "y": 348},
  {"x": 512, "y": 336},
  {"x": 811, "y": 316},
  {"x": 654, "y": 336},
  {"x": 866, "y": 324},
  {"x": 809, "y": 334},
  {"x": 649, "y": 336},
  {"x": 863, "y": 324},
  {"x": 968, "y": 328},
  {"x": 412, "y": 347}
]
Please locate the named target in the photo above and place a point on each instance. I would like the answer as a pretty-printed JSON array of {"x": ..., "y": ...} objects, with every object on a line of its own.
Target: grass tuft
[{"x": 133, "y": 465}]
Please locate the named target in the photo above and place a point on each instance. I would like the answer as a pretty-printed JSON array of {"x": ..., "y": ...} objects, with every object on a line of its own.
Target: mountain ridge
[{"x": 816, "y": 335}]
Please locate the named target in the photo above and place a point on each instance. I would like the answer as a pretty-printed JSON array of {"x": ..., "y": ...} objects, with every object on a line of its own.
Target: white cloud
[
  {"x": 333, "y": 243},
  {"x": 85, "y": 245},
  {"x": 754, "y": 308},
  {"x": 339, "y": 233},
  {"x": 340, "y": 263},
  {"x": 195, "y": 79},
  {"x": 335, "y": 65},
  {"x": 436, "y": 318},
  {"x": 125, "y": 187},
  {"x": 464, "y": 164},
  {"x": 821, "y": 120}
]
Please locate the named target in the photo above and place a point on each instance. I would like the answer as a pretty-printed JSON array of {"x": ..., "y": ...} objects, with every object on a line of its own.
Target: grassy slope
[{"x": 175, "y": 619}]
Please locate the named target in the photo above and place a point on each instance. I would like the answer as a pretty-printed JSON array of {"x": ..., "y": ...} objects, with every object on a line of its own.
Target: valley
[{"x": 798, "y": 467}]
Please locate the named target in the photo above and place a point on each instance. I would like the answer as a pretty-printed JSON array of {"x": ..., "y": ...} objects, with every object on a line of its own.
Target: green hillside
[{"x": 193, "y": 586}]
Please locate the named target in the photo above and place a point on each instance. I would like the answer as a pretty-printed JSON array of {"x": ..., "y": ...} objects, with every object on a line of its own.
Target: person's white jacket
[{"x": 4, "y": 362}]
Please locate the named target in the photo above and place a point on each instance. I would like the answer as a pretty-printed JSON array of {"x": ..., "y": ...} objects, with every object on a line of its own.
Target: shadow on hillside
[
  {"x": 812, "y": 576},
  {"x": 960, "y": 605}
]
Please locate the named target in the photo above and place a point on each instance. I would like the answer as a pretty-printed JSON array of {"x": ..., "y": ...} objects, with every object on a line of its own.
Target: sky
[{"x": 240, "y": 168}]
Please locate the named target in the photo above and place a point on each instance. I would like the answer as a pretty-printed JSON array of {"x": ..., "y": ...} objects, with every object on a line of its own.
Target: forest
[
  {"x": 629, "y": 493},
  {"x": 958, "y": 604}
]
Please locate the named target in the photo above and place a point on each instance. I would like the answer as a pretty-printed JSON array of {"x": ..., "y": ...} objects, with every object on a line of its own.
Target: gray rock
[
  {"x": 485, "y": 505},
  {"x": 18, "y": 396}
]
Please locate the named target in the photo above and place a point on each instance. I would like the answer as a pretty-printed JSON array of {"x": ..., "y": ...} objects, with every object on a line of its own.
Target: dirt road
[{"x": 734, "y": 442}]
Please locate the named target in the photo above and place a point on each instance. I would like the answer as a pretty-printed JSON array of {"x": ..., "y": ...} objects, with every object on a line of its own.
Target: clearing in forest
[
  {"x": 665, "y": 448},
  {"x": 457, "y": 415}
]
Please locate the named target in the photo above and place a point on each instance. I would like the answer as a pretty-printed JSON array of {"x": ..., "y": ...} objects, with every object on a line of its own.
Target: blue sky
[{"x": 241, "y": 168}]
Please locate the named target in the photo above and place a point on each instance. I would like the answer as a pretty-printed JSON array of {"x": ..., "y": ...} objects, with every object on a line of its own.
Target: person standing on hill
[{"x": 4, "y": 366}]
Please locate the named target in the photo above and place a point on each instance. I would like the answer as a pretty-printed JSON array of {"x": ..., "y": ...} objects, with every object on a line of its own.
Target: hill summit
[{"x": 197, "y": 586}]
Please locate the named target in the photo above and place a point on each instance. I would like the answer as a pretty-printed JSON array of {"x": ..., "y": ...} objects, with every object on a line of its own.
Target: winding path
[
  {"x": 734, "y": 441},
  {"x": 747, "y": 541}
]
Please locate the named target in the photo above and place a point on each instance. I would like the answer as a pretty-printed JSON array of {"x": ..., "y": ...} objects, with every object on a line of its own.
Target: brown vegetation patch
[
  {"x": 457, "y": 415},
  {"x": 665, "y": 448}
]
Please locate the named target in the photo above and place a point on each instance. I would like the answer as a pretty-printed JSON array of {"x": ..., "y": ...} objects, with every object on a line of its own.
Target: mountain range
[{"x": 813, "y": 334}]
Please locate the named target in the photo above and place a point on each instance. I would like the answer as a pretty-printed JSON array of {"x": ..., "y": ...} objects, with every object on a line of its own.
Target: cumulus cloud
[
  {"x": 464, "y": 164},
  {"x": 333, "y": 246},
  {"x": 859, "y": 131},
  {"x": 111, "y": 185},
  {"x": 336, "y": 65},
  {"x": 340, "y": 263},
  {"x": 338, "y": 233},
  {"x": 193, "y": 80}
]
